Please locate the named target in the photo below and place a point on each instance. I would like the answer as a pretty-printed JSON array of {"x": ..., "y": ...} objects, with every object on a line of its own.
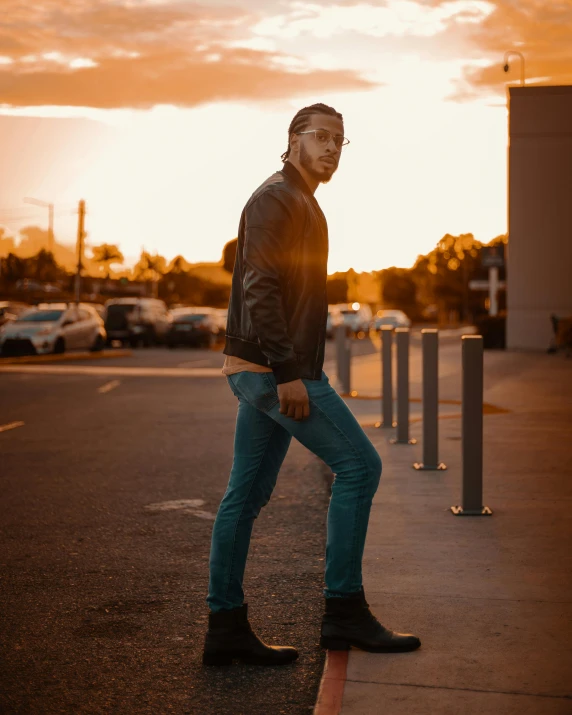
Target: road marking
[
  {"x": 109, "y": 386},
  {"x": 11, "y": 425},
  {"x": 187, "y": 506},
  {"x": 176, "y": 504},
  {"x": 113, "y": 370}
]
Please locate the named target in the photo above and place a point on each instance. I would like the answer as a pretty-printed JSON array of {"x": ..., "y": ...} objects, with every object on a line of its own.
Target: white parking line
[
  {"x": 11, "y": 425},
  {"x": 109, "y": 386}
]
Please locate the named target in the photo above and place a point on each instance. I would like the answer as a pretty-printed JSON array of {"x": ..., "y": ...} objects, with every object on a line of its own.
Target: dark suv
[{"x": 137, "y": 321}]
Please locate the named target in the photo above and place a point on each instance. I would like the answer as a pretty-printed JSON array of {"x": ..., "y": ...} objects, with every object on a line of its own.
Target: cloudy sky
[{"x": 165, "y": 116}]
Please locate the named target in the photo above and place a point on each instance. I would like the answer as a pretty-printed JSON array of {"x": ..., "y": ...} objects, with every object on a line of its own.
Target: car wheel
[
  {"x": 149, "y": 339},
  {"x": 60, "y": 346},
  {"x": 98, "y": 345},
  {"x": 134, "y": 342}
]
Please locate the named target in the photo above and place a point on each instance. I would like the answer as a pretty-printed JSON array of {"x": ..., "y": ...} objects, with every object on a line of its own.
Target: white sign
[{"x": 484, "y": 285}]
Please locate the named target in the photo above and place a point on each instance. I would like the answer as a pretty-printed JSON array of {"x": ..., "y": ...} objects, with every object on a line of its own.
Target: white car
[
  {"x": 53, "y": 328},
  {"x": 357, "y": 318},
  {"x": 392, "y": 318}
]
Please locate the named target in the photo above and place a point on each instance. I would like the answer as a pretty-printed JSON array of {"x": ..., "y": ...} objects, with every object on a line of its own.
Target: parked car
[
  {"x": 393, "y": 318},
  {"x": 334, "y": 319},
  {"x": 222, "y": 316},
  {"x": 137, "y": 321},
  {"x": 196, "y": 327},
  {"x": 10, "y": 310},
  {"x": 357, "y": 317},
  {"x": 30, "y": 285},
  {"x": 99, "y": 309},
  {"x": 53, "y": 328}
]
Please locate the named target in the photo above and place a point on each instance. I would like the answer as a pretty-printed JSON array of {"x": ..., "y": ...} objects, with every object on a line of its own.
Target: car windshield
[
  {"x": 120, "y": 308},
  {"x": 41, "y": 316},
  {"x": 190, "y": 318}
]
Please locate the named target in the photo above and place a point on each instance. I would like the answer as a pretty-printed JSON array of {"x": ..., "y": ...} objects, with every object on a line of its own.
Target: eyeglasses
[{"x": 323, "y": 137}]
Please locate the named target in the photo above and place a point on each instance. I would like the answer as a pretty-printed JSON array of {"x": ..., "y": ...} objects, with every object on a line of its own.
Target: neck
[{"x": 310, "y": 180}]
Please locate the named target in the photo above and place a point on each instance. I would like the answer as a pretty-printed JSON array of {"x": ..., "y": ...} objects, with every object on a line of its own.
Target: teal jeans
[{"x": 261, "y": 441}]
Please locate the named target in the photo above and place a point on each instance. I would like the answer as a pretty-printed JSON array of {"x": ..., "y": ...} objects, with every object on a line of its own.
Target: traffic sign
[{"x": 492, "y": 256}]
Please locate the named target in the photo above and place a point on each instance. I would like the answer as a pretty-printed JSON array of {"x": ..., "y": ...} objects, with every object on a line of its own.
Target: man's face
[{"x": 320, "y": 158}]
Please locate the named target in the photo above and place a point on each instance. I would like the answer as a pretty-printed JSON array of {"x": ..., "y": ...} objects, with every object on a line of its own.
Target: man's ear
[{"x": 294, "y": 143}]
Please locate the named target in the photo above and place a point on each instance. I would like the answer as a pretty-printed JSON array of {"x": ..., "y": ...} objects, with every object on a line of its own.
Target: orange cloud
[{"x": 111, "y": 55}]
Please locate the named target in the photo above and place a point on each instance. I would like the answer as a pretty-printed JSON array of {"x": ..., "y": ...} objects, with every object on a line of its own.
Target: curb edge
[
  {"x": 64, "y": 357},
  {"x": 332, "y": 684}
]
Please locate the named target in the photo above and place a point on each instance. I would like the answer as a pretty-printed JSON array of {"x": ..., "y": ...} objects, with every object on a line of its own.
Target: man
[{"x": 275, "y": 343}]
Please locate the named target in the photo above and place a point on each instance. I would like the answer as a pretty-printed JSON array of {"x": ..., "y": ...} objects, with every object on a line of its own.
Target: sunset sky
[{"x": 165, "y": 116}]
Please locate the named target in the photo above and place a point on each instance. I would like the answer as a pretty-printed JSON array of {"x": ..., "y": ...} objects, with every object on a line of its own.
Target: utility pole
[
  {"x": 50, "y": 207},
  {"x": 80, "y": 237},
  {"x": 50, "y": 228}
]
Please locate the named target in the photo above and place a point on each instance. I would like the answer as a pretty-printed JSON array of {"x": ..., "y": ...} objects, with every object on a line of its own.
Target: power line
[{"x": 30, "y": 217}]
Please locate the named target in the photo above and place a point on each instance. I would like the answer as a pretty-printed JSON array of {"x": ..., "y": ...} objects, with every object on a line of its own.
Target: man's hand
[{"x": 294, "y": 401}]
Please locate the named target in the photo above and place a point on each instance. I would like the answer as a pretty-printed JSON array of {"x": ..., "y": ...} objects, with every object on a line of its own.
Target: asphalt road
[{"x": 103, "y": 581}]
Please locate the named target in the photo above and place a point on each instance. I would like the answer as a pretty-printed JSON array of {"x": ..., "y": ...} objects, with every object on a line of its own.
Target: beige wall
[{"x": 539, "y": 280}]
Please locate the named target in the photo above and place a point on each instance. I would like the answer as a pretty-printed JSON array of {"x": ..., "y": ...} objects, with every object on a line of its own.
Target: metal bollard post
[
  {"x": 386, "y": 378},
  {"x": 343, "y": 351},
  {"x": 430, "y": 352},
  {"x": 402, "y": 338},
  {"x": 472, "y": 429}
]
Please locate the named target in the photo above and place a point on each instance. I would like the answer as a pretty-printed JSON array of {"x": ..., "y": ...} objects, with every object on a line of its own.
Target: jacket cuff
[{"x": 286, "y": 372}]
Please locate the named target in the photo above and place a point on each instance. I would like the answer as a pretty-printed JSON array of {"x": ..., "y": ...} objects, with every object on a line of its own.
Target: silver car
[
  {"x": 391, "y": 318},
  {"x": 53, "y": 328}
]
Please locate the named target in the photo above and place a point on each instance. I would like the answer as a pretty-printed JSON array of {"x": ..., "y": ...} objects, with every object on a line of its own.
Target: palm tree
[
  {"x": 178, "y": 265},
  {"x": 150, "y": 268},
  {"x": 106, "y": 254}
]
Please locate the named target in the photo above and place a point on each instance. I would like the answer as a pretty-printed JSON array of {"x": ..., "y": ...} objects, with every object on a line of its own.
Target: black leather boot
[
  {"x": 230, "y": 637},
  {"x": 348, "y": 621}
]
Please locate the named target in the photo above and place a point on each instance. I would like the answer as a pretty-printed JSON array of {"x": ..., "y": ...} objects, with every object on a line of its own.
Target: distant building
[{"x": 539, "y": 267}]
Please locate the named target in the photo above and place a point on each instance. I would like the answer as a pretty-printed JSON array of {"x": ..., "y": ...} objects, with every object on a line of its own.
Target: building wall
[{"x": 539, "y": 280}]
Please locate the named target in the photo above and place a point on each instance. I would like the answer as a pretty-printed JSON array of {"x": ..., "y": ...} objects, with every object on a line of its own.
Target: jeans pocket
[
  {"x": 231, "y": 385},
  {"x": 257, "y": 389},
  {"x": 270, "y": 381}
]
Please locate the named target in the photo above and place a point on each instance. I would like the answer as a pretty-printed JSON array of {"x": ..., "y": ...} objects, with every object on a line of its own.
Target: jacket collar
[{"x": 294, "y": 175}]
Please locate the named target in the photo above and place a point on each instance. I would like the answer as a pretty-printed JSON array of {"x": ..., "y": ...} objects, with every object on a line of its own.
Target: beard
[{"x": 323, "y": 175}]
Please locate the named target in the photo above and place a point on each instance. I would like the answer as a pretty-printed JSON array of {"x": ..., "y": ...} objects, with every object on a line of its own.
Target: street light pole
[
  {"x": 50, "y": 207},
  {"x": 506, "y": 67},
  {"x": 80, "y": 237}
]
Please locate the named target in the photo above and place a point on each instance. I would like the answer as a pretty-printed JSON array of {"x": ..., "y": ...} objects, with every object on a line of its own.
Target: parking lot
[
  {"x": 110, "y": 484},
  {"x": 112, "y": 471}
]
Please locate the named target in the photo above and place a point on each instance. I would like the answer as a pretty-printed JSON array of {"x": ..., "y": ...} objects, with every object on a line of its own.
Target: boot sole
[
  {"x": 343, "y": 644},
  {"x": 214, "y": 659}
]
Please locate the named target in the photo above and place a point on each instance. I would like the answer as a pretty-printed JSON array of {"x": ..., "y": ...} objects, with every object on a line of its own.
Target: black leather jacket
[{"x": 278, "y": 306}]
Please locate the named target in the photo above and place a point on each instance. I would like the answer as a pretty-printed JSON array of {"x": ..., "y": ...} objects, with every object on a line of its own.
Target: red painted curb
[{"x": 333, "y": 682}]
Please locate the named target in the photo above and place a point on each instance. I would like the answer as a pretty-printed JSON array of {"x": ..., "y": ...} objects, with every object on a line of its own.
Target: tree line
[{"x": 438, "y": 282}]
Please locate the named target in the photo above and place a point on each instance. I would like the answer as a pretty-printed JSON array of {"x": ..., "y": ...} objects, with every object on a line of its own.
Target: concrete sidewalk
[{"x": 490, "y": 597}]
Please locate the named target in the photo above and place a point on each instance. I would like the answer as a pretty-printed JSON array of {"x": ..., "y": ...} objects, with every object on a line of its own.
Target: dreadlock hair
[{"x": 302, "y": 120}]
